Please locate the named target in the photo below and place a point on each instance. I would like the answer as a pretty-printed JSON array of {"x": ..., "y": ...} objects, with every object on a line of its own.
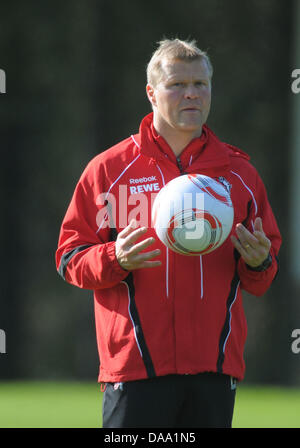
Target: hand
[
  {"x": 253, "y": 247},
  {"x": 128, "y": 253}
]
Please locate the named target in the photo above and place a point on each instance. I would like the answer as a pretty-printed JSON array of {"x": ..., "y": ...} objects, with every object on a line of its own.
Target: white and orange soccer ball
[{"x": 193, "y": 214}]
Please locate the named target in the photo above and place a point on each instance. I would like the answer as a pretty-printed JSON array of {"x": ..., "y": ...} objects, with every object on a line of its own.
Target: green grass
[
  {"x": 78, "y": 405},
  {"x": 267, "y": 407},
  {"x": 50, "y": 405}
]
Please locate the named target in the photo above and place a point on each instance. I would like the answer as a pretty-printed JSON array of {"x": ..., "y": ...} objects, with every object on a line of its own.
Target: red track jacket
[{"x": 185, "y": 316}]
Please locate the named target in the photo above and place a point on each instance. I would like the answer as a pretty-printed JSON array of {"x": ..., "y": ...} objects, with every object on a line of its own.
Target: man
[{"x": 170, "y": 328}]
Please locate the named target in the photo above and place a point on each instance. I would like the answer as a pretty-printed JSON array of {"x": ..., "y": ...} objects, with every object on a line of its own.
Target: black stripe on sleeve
[
  {"x": 138, "y": 328},
  {"x": 67, "y": 257},
  {"x": 233, "y": 290},
  {"x": 226, "y": 327},
  {"x": 277, "y": 272}
]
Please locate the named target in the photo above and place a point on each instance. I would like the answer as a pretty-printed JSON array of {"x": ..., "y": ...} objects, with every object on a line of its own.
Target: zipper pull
[{"x": 179, "y": 165}]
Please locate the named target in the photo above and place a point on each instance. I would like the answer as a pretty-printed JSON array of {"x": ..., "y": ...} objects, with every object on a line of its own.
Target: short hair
[{"x": 174, "y": 49}]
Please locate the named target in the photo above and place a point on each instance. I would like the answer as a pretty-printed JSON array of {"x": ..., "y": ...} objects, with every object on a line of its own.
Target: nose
[{"x": 191, "y": 92}]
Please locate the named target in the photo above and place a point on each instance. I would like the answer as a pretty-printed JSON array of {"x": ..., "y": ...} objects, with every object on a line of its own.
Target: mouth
[{"x": 190, "y": 109}]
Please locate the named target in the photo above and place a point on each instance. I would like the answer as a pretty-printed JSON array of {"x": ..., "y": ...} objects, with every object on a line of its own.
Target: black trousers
[{"x": 205, "y": 400}]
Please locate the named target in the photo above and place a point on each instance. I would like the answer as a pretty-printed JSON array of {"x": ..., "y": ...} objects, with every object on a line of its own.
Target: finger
[
  {"x": 260, "y": 234},
  {"x": 240, "y": 248},
  {"x": 129, "y": 229},
  {"x": 251, "y": 256},
  {"x": 141, "y": 246},
  {"x": 262, "y": 239},
  {"x": 258, "y": 224},
  {"x": 142, "y": 260},
  {"x": 150, "y": 264},
  {"x": 246, "y": 238},
  {"x": 147, "y": 256},
  {"x": 130, "y": 239}
]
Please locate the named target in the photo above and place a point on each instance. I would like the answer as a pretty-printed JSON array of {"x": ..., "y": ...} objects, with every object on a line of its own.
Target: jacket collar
[{"x": 205, "y": 154}]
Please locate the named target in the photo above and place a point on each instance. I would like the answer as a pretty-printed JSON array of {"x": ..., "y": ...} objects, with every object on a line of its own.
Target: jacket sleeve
[
  {"x": 257, "y": 283},
  {"x": 85, "y": 256}
]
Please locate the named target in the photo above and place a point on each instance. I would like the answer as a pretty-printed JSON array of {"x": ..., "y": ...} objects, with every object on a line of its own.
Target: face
[{"x": 181, "y": 99}]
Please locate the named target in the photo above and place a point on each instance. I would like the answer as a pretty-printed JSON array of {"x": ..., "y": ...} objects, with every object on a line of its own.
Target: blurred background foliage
[{"x": 75, "y": 86}]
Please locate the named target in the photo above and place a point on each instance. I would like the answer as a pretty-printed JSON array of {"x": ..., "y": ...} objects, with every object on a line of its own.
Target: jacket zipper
[
  {"x": 179, "y": 164},
  {"x": 167, "y": 250}
]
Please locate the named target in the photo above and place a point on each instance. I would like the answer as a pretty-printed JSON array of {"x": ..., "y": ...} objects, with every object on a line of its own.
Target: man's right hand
[{"x": 128, "y": 253}]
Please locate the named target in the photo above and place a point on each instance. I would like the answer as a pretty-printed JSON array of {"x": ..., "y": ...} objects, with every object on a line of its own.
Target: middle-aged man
[{"x": 170, "y": 328}]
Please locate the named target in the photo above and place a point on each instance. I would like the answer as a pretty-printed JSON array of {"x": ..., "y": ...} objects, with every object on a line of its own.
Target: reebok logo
[{"x": 142, "y": 180}]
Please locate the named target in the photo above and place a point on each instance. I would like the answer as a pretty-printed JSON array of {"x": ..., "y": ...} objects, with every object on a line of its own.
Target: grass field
[{"x": 78, "y": 405}]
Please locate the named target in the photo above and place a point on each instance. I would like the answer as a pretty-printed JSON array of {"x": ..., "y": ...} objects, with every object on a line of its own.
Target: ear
[{"x": 151, "y": 94}]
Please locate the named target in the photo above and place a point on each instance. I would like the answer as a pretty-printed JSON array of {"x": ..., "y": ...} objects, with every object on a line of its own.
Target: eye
[{"x": 202, "y": 83}]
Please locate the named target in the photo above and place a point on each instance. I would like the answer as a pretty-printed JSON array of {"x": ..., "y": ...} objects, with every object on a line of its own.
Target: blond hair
[{"x": 174, "y": 49}]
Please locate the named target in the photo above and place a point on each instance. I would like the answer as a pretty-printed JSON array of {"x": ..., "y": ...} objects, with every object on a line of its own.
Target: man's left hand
[{"x": 253, "y": 247}]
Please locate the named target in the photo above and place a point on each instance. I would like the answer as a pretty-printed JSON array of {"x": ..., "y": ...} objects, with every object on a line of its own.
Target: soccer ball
[{"x": 193, "y": 214}]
